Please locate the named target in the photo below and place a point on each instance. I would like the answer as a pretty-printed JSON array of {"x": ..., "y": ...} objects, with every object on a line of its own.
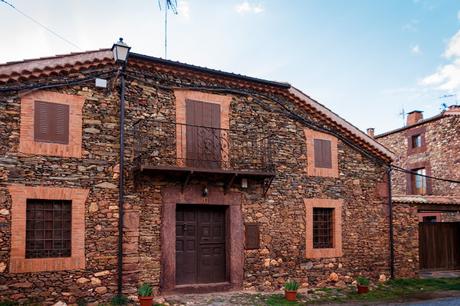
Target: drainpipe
[
  {"x": 390, "y": 207},
  {"x": 121, "y": 181}
]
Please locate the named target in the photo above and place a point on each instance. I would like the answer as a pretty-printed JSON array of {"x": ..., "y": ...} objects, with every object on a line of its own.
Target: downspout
[
  {"x": 121, "y": 181},
  {"x": 390, "y": 207}
]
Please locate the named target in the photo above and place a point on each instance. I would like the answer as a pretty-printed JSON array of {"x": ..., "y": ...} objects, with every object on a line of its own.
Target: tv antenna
[
  {"x": 403, "y": 115},
  {"x": 168, "y": 5},
  {"x": 446, "y": 96}
]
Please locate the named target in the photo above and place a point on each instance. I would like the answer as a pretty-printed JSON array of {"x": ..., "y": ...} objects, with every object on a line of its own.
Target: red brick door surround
[{"x": 235, "y": 231}]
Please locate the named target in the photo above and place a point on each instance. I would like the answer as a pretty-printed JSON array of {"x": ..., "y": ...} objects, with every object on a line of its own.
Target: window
[
  {"x": 416, "y": 141},
  {"x": 429, "y": 219},
  {"x": 323, "y": 222},
  {"x": 322, "y": 154},
  {"x": 323, "y": 158},
  {"x": 48, "y": 228},
  {"x": 419, "y": 181},
  {"x": 51, "y": 122},
  {"x": 323, "y": 225}
]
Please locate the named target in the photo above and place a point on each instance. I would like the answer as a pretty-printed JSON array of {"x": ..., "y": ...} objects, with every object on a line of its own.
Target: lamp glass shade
[{"x": 120, "y": 51}]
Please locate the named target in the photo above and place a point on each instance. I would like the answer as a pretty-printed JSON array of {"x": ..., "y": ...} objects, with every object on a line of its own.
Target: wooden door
[
  {"x": 200, "y": 244},
  {"x": 439, "y": 245},
  {"x": 203, "y": 134}
]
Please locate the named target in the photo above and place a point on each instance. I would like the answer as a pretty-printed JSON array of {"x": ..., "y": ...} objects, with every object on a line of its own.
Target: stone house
[
  {"x": 427, "y": 149},
  {"x": 230, "y": 182}
]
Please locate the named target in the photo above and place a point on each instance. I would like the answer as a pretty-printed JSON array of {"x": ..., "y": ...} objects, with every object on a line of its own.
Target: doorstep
[{"x": 200, "y": 288}]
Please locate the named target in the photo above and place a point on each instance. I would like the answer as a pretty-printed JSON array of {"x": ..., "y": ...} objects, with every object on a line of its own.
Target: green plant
[
  {"x": 291, "y": 285},
  {"x": 145, "y": 290},
  {"x": 119, "y": 300},
  {"x": 8, "y": 303},
  {"x": 362, "y": 281},
  {"x": 81, "y": 302}
]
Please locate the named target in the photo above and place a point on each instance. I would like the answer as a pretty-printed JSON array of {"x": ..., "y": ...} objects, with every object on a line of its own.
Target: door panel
[
  {"x": 200, "y": 244},
  {"x": 185, "y": 246}
]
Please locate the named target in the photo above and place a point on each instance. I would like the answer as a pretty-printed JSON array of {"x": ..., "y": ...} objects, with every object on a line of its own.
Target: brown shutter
[
  {"x": 203, "y": 134},
  {"x": 252, "y": 239},
  {"x": 323, "y": 156},
  {"x": 51, "y": 122}
]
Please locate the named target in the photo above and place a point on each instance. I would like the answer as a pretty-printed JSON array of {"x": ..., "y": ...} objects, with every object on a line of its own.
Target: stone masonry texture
[{"x": 281, "y": 214}]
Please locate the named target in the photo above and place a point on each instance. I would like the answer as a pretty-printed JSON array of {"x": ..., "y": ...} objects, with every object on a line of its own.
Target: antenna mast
[
  {"x": 403, "y": 115},
  {"x": 168, "y": 5}
]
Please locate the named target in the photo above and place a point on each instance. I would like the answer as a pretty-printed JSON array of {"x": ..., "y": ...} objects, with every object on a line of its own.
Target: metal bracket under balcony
[{"x": 181, "y": 152}]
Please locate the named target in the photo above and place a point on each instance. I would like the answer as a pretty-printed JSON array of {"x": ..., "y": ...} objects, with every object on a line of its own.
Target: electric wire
[
  {"x": 40, "y": 24},
  {"x": 397, "y": 168}
]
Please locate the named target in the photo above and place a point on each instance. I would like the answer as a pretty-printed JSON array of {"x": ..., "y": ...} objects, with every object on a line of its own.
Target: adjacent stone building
[
  {"x": 427, "y": 149},
  {"x": 230, "y": 182}
]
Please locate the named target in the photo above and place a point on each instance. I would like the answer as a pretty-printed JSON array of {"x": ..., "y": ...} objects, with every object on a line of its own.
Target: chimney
[
  {"x": 413, "y": 117},
  {"x": 453, "y": 109},
  {"x": 370, "y": 132}
]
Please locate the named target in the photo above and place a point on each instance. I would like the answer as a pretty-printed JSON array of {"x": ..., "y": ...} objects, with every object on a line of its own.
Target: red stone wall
[
  {"x": 442, "y": 153},
  {"x": 405, "y": 226},
  {"x": 281, "y": 214}
]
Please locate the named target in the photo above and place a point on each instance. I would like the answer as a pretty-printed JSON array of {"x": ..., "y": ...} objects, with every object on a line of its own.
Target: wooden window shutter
[
  {"x": 252, "y": 236},
  {"x": 51, "y": 122},
  {"x": 323, "y": 156}
]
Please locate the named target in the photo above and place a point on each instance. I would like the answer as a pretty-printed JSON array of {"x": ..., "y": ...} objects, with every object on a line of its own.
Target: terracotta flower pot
[
  {"x": 146, "y": 300},
  {"x": 363, "y": 289},
  {"x": 290, "y": 295}
]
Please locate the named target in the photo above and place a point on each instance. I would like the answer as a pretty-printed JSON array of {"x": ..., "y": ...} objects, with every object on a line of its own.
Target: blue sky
[{"x": 364, "y": 59}]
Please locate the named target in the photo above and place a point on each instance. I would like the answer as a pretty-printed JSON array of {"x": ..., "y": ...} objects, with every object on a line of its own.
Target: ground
[{"x": 391, "y": 292}]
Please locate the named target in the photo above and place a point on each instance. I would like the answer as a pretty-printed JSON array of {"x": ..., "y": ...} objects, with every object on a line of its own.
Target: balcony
[{"x": 183, "y": 150}]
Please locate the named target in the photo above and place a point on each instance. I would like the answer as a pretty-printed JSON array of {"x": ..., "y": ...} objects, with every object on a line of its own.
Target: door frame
[{"x": 192, "y": 195}]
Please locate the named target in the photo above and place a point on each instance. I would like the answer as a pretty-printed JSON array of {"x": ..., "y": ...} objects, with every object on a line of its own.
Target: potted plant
[
  {"x": 362, "y": 284},
  {"x": 290, "y": 290},
  {"x": 145, "y": 295}
]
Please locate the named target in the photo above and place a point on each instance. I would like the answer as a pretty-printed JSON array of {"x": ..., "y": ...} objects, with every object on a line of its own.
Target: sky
[{"x": 366, "y": 60}]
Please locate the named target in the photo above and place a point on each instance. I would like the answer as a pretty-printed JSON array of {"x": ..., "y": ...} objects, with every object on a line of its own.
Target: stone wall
[
  {"x": 405, "y": 233},
  {"x": 442, "y": 152},
  {"x": 94, "y": 171},
  {"x": 281, "y": 214}
]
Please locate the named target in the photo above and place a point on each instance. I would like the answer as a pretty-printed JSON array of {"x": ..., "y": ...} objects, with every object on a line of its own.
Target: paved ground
[
  {"x": 449, "y": 298},
  {"x": 439, "y": 302}
]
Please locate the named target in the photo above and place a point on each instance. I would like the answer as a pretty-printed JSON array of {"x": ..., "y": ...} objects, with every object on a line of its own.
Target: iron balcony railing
[{"x": 162, "y": 143}]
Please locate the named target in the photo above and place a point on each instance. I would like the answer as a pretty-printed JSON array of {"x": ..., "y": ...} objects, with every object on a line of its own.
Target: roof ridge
[{"x": 52, "y": 57}]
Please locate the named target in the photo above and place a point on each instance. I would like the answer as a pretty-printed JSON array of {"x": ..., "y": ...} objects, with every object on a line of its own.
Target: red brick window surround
[
  {"x": 182, "y": 96},
  {"x": 56, "y": 245},
  {"x": 322, "y": 156},
  {"x": 51, "y": 124},
  {"x": 416, "y": 142},
  {"x": 323, "y": 228},
  {"x": 416, "y": 184}
]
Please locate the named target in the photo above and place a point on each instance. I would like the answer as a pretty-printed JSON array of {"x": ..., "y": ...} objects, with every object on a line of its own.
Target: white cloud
[
  {"x": 246, "y": 7},
  {"x": 447, "y": 77},
  {"x": 416, "y": 50},
  {"x": 183, "y": 9},
  {"x": 453, "y": 47}
]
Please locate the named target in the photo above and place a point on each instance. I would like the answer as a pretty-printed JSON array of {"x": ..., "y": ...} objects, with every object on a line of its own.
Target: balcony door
[{"x": 203, "y": 134}]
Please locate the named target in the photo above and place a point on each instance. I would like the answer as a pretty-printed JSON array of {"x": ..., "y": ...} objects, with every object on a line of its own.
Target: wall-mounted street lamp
[
  {"x": 120, "y": 51},
  {"x": 120, "y": 54}
]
